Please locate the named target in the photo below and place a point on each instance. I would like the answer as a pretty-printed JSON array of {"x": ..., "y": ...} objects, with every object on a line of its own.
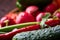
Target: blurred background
[{"x": 6, "y": 6}]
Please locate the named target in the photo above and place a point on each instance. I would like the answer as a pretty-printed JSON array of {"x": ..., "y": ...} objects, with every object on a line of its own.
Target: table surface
[{"x": 6, "y": 6}]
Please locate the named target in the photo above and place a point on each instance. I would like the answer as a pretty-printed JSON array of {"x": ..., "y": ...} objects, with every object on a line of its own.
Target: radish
[
  {"x": 40, "y": 15},
  {"x": 52, "y": 22},
  {"x": 51, "y": 8},
  {"x": 32, "y": 10},
  {"x": 57, "y": 15},
  {"x": 12, "y": 15},
  {"x": 24, "y": 17},
  {"x": 9, "y": 35},
  {"x": 5, "y": 21}
]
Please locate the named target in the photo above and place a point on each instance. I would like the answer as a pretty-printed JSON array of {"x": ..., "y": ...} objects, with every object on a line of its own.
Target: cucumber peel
[{"x": 52, "y": 33}]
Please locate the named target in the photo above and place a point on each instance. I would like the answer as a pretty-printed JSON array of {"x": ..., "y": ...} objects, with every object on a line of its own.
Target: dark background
[{"x": 6, "y": 6}]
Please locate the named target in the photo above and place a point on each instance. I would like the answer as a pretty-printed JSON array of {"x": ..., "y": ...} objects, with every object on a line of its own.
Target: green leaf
[
  {"x": 19, "y": 6},
  {"x": 44, "y": 19},
  {"x": 18, "y": 0},
  {"x": 2, "y": 32}
]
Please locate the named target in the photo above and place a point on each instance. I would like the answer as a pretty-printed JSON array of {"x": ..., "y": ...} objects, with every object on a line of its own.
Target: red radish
[
  {"x": 24, "y": 17},
  {"x": 3, "y": 37},
  {"x": 40, "y": 15},
  {"x": 32, "y": 10},
  {"x": 57, "y": 15},
  {"x": 12, "y": 15},
  {"x": 2, "y": 23},
  {"x": 51, "y": 8},
  {"x": 36, "y": 13},
  {"x": 5, "y": 21},
  {"x": 52, "y": 22},
  {"x": 8, "y": 36}
]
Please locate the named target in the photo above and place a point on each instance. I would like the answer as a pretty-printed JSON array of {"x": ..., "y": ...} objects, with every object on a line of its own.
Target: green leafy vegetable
[{"x": 44, "y": 19}]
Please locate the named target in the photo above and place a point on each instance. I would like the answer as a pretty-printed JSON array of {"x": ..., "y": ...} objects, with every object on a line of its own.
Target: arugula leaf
[{"x": 44, "y": 19}]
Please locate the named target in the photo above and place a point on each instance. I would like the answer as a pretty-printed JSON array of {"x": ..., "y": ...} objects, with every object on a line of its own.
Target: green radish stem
[
  {"x": 10, "y": 28},
  {"x": 6, "y": 21},
  {"x": 44, "y": 19}
]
